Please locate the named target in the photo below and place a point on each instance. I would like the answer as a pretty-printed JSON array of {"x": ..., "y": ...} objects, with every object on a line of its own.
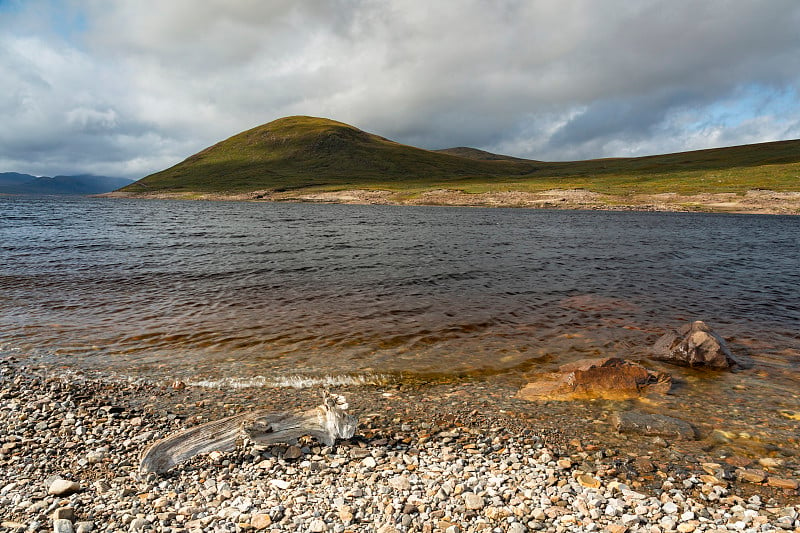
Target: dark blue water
[{"x": 213, "y": 289}]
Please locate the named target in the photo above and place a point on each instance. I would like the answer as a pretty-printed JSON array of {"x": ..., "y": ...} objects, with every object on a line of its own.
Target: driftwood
[{"x": 326, "y": 423}]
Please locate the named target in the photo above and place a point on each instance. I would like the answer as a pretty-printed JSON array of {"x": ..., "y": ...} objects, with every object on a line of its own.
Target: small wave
[
  {"x": 293, "y": 382},
  {"x": 8, "y": 351}
]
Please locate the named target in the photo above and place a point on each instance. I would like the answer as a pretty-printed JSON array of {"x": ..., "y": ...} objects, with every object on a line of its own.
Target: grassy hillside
[
  {"x": 296, "y": 152},
  {"x": 299, "y": 152}
]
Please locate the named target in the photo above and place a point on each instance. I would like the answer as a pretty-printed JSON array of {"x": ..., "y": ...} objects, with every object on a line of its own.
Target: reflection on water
[{"x": 199, "y": 290}]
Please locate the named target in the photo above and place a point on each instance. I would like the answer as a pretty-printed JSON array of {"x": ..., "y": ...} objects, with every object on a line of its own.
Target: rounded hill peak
[
  {"x": 306, "y": 120},
  {"x": 303, "y": 124},
  {"x": 302, "y": 133},
  {"x": 301, "y": 151}
]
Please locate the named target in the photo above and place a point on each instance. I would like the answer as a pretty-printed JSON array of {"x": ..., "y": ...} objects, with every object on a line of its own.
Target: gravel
[{"x": 71, "y": 444}]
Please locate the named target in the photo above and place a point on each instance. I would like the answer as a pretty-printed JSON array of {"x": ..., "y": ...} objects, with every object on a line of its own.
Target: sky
[{"x": 129, "y": 87}]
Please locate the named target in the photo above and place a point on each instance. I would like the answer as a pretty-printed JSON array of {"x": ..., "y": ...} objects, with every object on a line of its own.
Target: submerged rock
[
  {"x": 609, "y": 378},
  {"x": 694, "y": 345},
  {"x": 640, "y": 423}
]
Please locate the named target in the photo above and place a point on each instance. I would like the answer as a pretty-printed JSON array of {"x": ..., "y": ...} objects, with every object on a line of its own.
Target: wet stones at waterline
[
  {"x": 609, "y": 378},
  {"x": 649, "y": 424},
  {"x": 694, "y": 345}
]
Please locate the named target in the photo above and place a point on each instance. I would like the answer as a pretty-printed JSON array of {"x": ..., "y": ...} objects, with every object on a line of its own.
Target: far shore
[{"x": 752, "y": 202}]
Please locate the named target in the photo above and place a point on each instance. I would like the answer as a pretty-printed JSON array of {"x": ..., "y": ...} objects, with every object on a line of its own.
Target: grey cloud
[
  {"x": 621, "y": 119},
  {"x": 629, "y": 68},
  {"x": 150, "y": 83}
]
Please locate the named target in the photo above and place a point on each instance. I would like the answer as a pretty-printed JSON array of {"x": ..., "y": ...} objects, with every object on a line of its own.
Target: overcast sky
[{"x": 126, "y": 88}]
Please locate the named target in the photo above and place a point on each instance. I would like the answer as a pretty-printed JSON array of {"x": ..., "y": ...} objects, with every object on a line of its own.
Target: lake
[{"x": 209, "y": 291}]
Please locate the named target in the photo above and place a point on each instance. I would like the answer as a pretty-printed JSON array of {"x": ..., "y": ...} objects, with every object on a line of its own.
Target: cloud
[
  {"x": 64, "y": 113},
  {"x": 132, "y": 87}
]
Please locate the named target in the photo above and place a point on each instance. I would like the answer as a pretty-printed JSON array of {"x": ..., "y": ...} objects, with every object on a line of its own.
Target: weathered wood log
[{"x": 326, "y": 423}]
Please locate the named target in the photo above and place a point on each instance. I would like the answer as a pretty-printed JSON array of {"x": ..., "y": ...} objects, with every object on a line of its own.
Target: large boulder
[
  {"x": 609, "y": 378},
  {"x": 694, "y": 345}
]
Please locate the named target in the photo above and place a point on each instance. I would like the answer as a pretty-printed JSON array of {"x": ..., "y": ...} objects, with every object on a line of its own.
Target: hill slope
[
  {"x": 296, "y": 152},
  {"x": 305, "y": 152}
]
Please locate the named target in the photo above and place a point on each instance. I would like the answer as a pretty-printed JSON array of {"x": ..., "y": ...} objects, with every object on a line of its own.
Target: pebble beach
[{"x": 70, "y": 448}]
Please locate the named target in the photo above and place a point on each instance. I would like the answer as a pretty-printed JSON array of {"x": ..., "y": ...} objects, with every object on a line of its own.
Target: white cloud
[{"x": 140, "y": 85}]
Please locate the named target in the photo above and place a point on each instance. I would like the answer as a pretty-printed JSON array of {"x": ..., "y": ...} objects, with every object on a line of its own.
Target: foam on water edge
[
  {"x": 294, "y": 381},
  {"x": 59, "y": 366}
]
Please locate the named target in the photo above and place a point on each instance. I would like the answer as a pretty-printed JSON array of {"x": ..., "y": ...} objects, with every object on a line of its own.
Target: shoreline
[
  {"x": 424, "y": 458},
  {"x": 751, "y": 202}
]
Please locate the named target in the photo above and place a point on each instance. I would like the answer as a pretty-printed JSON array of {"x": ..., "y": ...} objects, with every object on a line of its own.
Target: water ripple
[{"x": 236, "y": 290}]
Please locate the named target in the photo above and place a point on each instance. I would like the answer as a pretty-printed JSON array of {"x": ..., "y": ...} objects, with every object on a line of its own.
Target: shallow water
[{"x": 210, "y": 290}]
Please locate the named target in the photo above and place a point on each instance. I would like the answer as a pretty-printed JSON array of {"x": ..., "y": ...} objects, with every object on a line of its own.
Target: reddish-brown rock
[
  {"x": 752, "y": 475},
  {"x": 783, "y": 483},
  {"x": 694, "y": 345},
  {"x": 738, "y": 460},
  {"x": 609, "y": 377}
]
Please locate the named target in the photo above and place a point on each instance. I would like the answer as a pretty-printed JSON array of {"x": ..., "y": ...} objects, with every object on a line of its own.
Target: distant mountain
[
  {"x": 11, "y": 179},
  {"x": 15, "y": 183},
  {"x": 479, "y": 155}
]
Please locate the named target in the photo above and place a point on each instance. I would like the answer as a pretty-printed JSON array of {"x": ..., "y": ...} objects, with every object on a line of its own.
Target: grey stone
[
  {"x": 669, "y": 508},
  {"x": 639, "y": 423},
  {"x": 101, "y": 486},
  {"x": 317, "y": 526},
  {"x": 630, "y": 519},
  {"x": 292, "y": 453},
  {"x": 400, "y": 483},
  {"x": 473, "y": 501},
  {"x": 96, "y": 456},
  {"x": 63, "y": 487},
  {"x": 359, "y": 453},
  {"x": 67, "y": 513},
  {"x": 139, "y": 524},
  {"x": 62, "y": 525},
  {"x": 694, "y": 345}
]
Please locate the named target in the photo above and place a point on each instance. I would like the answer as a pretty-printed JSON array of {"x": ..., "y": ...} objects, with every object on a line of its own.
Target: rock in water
[
  {"x": 640, "y": 423},
  {"x": 609, "y": 377},
  {"x": 694, "y": 345}
]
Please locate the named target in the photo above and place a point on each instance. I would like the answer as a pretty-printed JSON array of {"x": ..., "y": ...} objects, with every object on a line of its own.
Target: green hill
[
  {"x": 301, "y": 152},
  {"x": 296, "y": 152}
]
